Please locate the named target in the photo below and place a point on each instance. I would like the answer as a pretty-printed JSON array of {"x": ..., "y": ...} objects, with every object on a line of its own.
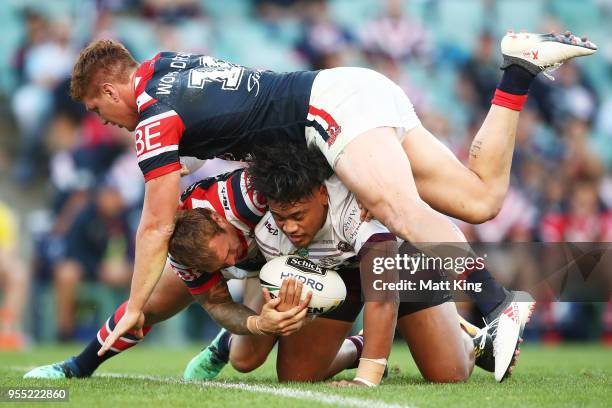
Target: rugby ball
[{"x": 328, "y": 289}]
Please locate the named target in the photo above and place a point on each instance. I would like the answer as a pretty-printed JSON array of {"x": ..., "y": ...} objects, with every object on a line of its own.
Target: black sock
[
  {"x": 88, "y": 361},
  {"x": 224, "y": 345},
  {"x": 516, "y": 80},
  {"x": 492, "y": 293}
]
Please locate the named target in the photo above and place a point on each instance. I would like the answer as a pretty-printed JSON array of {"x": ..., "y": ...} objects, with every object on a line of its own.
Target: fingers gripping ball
[{"x": 328, "y": 289}]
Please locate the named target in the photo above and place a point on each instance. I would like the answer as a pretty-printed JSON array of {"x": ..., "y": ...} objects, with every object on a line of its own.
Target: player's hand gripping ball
[{"x": 328, "y": 289}]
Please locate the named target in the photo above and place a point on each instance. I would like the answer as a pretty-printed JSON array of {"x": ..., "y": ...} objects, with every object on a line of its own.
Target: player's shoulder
[
  {"x": 202, "y": 189},
  {"x": 268, "y": 236},
  {"x": 336, "y": 190},
  {"x": 343, "y": 205}
]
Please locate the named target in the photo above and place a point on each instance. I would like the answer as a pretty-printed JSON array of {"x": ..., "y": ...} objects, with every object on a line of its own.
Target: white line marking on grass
[
  {"x": 280, "y": 391},
  {"x": 287, "y": 392}
]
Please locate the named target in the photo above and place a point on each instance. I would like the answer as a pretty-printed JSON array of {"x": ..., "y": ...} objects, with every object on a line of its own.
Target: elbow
[{"x": 157, "y": 229}]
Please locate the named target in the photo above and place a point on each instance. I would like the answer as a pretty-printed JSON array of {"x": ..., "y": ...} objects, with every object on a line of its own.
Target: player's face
[
  {"x": 112, "y": 110},
  {"x": 302, "y": 220},
  {"x": 226, "y": 247}
]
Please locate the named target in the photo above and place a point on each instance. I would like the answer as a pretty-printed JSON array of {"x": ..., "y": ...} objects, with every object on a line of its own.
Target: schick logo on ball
[
  {"x": 305, "y": 265},
  {"x": 318, "y": 286}
]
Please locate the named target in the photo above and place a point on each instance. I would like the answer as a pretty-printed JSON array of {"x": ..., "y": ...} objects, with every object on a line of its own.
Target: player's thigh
[
  {"x": 376, "y": 169},
  {"x": 436, "y": 343},
  {"x": 169, "y": 297},
  {"x": 307, "y": 354}
]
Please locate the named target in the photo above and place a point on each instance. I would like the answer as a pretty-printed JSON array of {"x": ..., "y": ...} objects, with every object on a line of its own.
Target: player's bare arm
[
  {"x": 154, "y": 231},
  {"x": 235, "y": 317}
]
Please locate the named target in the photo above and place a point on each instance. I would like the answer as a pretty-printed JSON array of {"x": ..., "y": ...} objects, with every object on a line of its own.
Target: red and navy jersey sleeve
[
  {"x": 197, "y": 282},
  {"x": 159, "y": 131},
  {"x": 157, "y": 141}
]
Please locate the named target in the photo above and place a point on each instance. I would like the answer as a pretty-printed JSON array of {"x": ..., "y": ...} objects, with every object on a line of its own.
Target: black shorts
[
  {"x": 351, "y": 307},
  {"x": 423, "y": 299}
]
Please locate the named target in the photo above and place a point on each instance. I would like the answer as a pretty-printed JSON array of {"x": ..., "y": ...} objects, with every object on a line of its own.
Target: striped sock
[
  {"x": 88, "y": 361},
  {"x": 358, "y": 343}
]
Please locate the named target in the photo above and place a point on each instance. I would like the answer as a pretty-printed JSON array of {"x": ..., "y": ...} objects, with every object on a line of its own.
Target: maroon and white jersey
[
  {"x": 228, "y": 196},
  {"x": 340, "y": 240}
]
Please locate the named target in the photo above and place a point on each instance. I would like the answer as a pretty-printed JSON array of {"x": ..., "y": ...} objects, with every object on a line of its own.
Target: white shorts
[{"x": 346, "y": 102}]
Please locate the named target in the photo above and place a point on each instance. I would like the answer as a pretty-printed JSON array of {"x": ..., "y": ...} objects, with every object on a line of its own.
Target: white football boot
[
  {"x": 505, "y": 324},
  {"x": 543, "y": 52}
]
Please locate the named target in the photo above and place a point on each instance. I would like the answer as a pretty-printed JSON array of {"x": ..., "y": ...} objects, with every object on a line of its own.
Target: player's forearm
[
  {"x": 154, "y": 232},
  {"x": 378, "y": 328},
  {"x": 151, "y": 254},
  {"x": 218, "y": 302},
  {"x": 379, "y": 323},
  {"x": 231, "y": 316}
]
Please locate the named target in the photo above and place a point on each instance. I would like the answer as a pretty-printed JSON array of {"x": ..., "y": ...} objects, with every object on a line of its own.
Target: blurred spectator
[
  {"x": 581, "y": 160},
  {"x": 36, "y": 32},
  {"x": 324, "y": 43},
  {"x": 97, "y": 245},
  {"x": 514, "y": 222},
  {"x": 480, "y": 74},
  {"x": 571, "y": 94},
  {"x": 170, "y": 11},
  {"x": 584, "y": 220},
  {"x": 395, "y": 34},
  {"x": 275, "y": 10},
  {"x": 393, "y": 70},
  {"x": 45, "y": 64},
  {"x": 14, "y": 280}
]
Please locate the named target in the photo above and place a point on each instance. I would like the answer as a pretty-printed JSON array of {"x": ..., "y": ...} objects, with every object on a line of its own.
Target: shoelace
[
  {"x": 483, "y": 337},
  {"x": 547, "y": 72},
  {"x": 493, "y": 327}
]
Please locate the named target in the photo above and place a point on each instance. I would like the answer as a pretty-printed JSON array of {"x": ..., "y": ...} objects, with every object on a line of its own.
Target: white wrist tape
[{"x": 364, "y": 381}]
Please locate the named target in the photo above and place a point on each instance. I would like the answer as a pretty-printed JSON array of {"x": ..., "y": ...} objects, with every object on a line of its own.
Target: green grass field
[{"x": 567, "y": 376}]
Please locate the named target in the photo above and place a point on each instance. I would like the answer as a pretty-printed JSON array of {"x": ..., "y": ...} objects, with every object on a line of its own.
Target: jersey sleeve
[
  {"x": 157, "y": 141},
  {"x": 197, "y": 282}
]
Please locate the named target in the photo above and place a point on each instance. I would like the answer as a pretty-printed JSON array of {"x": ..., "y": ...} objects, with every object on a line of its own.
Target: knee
[
  {"x": 450, "y": 373},
  {"x": 246, "y": 364},
  {"x": 485, "y": 209}
]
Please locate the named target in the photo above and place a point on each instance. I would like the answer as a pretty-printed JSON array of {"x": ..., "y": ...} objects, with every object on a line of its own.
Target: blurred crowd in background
[{"x": 71, "y": 190}]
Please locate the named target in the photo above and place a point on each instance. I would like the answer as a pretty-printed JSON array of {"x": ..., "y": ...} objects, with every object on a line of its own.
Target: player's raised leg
[
  {"x": 475, "y": 193},
  {"x": 169, "y": 297}
]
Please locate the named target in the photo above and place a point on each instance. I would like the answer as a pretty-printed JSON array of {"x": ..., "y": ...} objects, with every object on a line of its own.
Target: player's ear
[
  {"x": 110, "y": 91},
  {"x": 217, "y": 218},
  {"x": 322, "y": 194}
]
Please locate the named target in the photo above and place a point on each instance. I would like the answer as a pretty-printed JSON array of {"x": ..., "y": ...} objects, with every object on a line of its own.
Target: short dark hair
[{"x": 287, "y": 172}]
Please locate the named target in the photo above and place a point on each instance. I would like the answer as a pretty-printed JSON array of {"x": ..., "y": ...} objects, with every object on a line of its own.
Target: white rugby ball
[{"x": 328, "y": 288}]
